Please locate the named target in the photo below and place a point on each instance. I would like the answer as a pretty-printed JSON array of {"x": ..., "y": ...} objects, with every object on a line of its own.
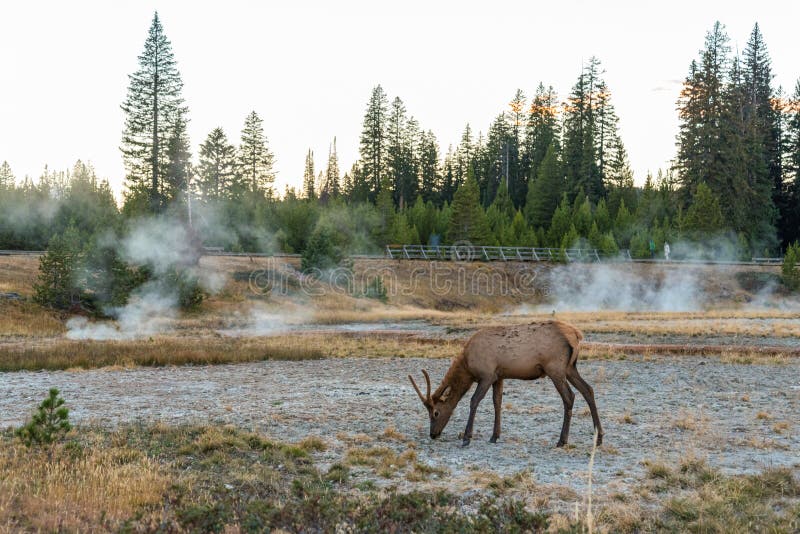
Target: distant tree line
[{"x": 547, "y": 172}]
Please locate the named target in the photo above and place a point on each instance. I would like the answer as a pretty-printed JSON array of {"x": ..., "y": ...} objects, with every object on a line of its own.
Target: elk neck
[{"x": 458, "y": 378}]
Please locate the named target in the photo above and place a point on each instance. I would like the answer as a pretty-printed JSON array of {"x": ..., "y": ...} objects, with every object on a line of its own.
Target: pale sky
[{"x": 308, "y": 68}]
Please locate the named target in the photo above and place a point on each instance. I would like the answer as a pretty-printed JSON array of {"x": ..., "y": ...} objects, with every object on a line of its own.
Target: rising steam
[{"x": 162, "y": 244}]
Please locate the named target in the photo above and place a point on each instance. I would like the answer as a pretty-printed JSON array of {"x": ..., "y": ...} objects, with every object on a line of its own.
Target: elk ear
[{"x": 445, "y": 394}]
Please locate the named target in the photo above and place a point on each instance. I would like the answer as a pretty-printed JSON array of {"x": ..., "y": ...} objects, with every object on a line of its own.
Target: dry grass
[
  {"x": 66, "y": 488},
  {"x": 59, "y": 353},
  {"x": 67, "y": 354},
  {"x": 223, "y": 479},
  {"x": 384, "y": 460},
  {"x": 693, "y": 326},
  {"x": 313, "y": 444},
  {"x": 373, "y": 314},
  {"x": 690, "y": 420},
  {"x": 392, "y": 434},
  {"x": 698, "y": 498},
  {"x": 781, "y": 426},
  {"x": 25, "y": 319},
  {"x": 728, "y": 322},
  {"x": 627, "y": 418},
  {"x": 722, "y": 353},
  {"x": 174, "y": 350},
  {"x": 18, "y": 273},
  {"x": 422, "y": 472}
]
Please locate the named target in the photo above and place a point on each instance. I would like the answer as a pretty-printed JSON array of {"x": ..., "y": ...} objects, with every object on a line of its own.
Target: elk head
[{"x": 439, "y": 410}]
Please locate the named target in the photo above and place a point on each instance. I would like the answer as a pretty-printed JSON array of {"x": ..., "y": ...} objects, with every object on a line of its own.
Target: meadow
[{"x": 290, "y": 409}]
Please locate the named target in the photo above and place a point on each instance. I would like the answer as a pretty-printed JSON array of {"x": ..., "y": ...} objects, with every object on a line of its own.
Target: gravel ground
[
  {"x": 741, "y": 418},
  {"x": 674, "y": 339}
]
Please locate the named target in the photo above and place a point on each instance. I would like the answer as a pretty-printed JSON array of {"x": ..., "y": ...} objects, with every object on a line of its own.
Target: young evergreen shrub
[
  {"x": 50, "y": 422},
  {"x": 375, "y": 289},
  {"x": 790, "y": 270},
  {"x": 321, "y": 252},
  {"x": 640, "y": 245},
  {"x": 58, "y": 284},
  {"x": 608, "y": 245},
  {"x": 186, "y": 286}
]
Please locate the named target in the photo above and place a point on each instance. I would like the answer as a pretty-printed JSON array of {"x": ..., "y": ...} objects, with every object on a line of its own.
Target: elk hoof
[
  {"x": 465, "y": 442},
  {"x": 493, "y": 439},
  {"x": 599, "y": 439},
  {"x": 561, "y": 443}
]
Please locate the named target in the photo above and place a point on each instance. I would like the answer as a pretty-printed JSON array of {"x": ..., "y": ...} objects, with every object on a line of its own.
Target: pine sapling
[{"x": 49, "y": 424}]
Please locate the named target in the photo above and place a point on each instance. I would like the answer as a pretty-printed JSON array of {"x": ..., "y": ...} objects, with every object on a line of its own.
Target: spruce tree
[
  {"x": 516, "y": 174},
  {"x": 179, "y": 167},
  {"x": 624, "y": 223},
  {"x": 58, "y": 285},
  {"x": 407, "y": 188},
  {"x": 791, "y": 214},
  {"x": 762, "y": 139},
  {"x": 545, "y": 190},
  {"x": 464, "y": 158},
  {"x": 560, "y": 223},
  {"x": 7, "y": 179},
  {"x": 154, "y": 108},
  {"x": 255, "y": 160},
  {"x": 541, "y": 130},
  {"x": 308, "y": 177},
  {"x": 701, "y": 108},
  {"x": 373, "y": 145},
  {"x": 500, "y": 215},
  {"x": 493, "y": 161},
  {"x": 468, "y": 220},
  {"x": 704, "y": 217},
  {"x": 582, "y": 155},
  {"x": 386, "y": 212},
  {"x": 331, "y": 187},
  {"x": 217, "y": 167},
  {"x": 398, "y": 155},
  {"x": 429, "y": 167}
]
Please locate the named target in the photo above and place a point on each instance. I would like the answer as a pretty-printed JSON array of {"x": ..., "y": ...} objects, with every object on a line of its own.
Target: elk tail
[{"x": 573, "y": 337}]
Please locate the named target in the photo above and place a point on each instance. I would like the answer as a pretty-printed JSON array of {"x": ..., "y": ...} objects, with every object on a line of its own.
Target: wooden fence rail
[{"x": 480, "y": 253}]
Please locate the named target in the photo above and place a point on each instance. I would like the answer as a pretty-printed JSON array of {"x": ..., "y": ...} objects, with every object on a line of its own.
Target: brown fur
[{"x": 524, "y": 352}]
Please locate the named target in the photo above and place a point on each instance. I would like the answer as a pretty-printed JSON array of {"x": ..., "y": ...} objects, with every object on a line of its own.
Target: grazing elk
[{"x": 524, "y": 352}]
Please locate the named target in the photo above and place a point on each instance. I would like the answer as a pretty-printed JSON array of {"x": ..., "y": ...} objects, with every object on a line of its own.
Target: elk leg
[
  {"x": 588, "y": 393},
  {"x": 568, "y": 397},
  {"x": 477, "y": 397},
  {"x": 497, "y": 398}
]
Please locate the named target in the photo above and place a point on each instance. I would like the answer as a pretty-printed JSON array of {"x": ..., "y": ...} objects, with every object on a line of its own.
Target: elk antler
[{"x": 426, "y": 400}]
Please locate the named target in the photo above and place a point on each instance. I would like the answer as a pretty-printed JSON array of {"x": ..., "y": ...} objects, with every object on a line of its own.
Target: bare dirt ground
[{"x": 741, "y": 418}]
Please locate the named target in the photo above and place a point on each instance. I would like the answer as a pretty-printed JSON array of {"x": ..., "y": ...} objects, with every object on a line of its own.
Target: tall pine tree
[
  {"x": 791, "y": 217},
  {"x": 216, "y": 172},
  {"x": 255, "y": 160},
  {"x": 7, "y": 179},
  {"x": 179, "y": 167},
  {"x": 154, "y": 108},
  {"x": 429, "y": 167},
  {"x": 583, "y": 156},
  {"x": 331, "y": 187},
  {"x": 308, "y": 177},
  {"x": 541, "y": 130},
  {"x": 701, "y": 109},
  {"x": 373, "y": 146}
]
